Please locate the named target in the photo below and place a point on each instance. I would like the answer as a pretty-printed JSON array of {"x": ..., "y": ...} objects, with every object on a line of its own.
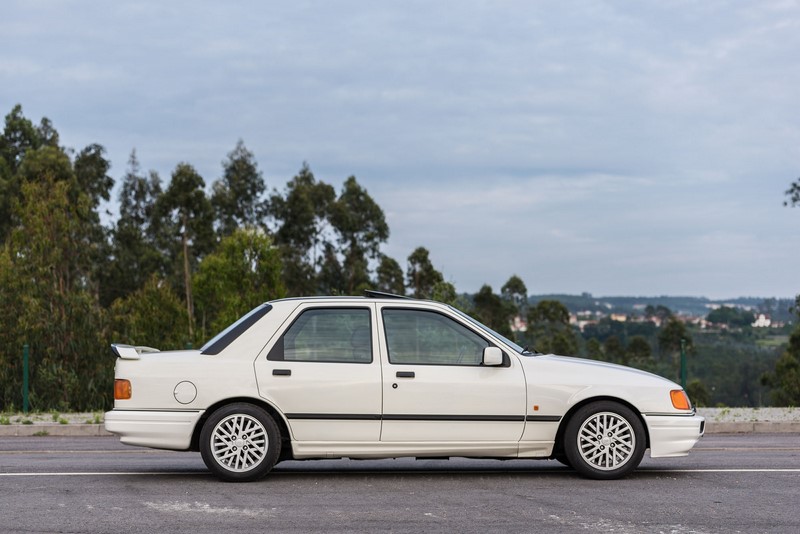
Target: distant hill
[{"x": 778, "y": 309}]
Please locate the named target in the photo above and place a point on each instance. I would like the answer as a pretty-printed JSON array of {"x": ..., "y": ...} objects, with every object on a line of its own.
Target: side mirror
[{"x": 492, "y": 356}]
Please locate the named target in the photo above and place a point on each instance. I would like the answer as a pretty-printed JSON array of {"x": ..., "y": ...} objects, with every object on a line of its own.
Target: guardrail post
[
  {"x": 683, "y": 363},
  {"x": 25, "y": 358}
]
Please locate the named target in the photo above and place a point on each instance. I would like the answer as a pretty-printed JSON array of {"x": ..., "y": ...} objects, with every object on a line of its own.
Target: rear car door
[{"x": 323, "y": 374}]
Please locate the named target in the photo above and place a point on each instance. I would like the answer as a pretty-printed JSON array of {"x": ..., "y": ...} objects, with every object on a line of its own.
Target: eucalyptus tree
[
  {"x": 19, "y": 137},
  {"x": 134, "y": 256},
  {"x": 492, "y": 311},
  {"x": 361, "y": 227},
  {"x": 515, "y": 292},
  {"x": 185, "y": 207},
  {"x": 421, "y": 276},
  {"x": 793, "y": 194},
  {"x": 389, "y": 276},
  {"x": 301, "y": 216},
  {"x": 243, "y": 271},
  {"x": 53, "y": 247},
  {"x": 48, "y": 302},
  {"x": 237, "y": 197}
]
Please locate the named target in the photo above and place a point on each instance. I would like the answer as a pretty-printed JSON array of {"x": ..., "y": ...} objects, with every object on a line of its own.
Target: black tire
[
  {"x": 240, "y": 443},
  {"x": 561, "y": 458},
  {"x": 604, "y": 440}
]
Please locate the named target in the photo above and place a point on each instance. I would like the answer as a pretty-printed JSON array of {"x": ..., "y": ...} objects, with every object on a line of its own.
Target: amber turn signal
[
  {"x": 122, "y": 389},
  {"x": 680, "y": 400}
]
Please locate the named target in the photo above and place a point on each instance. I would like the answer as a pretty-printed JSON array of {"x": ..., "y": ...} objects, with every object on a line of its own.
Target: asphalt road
[{"x": 729, "y": 483}]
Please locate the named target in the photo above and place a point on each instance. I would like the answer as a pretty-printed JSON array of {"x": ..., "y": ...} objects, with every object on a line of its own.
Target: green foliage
[
  {"x": 549, "y": 330},
  {"x": 236, "y": 197},
  {"x": 153, "y": 316},
  {"x": 730, "y": 317},
  {"x": 614, "y": 350},
  {"x": 445, "y": 292},
  {"x": 514, "y": 291},
  {"x": 185, "y": 207},
  {"x": 242, "y": 273},
  {"x": 45, "y": 269},
  {"x": 670, "y": 336},
  {"x": 301, "y": 213},
  {"x": 492, "y": 311},
  {"x": 362, "y": 228},
  {"x": 793, "y": 194},
  {"x": 390, "y": 276},
  {"x": 134, "y": 250},
  {"x": 698, "y": 392},
  {"x": 421, "y": 276},
  {"x": 785, "y": 378}
]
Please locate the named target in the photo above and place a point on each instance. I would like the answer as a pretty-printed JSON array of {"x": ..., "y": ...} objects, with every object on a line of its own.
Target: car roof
[{"x": 368, "y": 295}]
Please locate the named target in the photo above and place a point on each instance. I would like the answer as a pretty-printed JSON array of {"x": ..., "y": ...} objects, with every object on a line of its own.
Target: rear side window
[
  {"x": 219, "y": 342},
  {"x": 341, "y": 335}
]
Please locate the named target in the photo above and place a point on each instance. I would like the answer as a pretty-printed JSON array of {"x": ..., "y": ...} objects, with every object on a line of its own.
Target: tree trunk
[{"x": 187, "y": 280}]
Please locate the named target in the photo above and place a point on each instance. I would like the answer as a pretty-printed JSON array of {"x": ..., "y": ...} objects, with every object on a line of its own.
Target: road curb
[
  {"x": 85, "y": 430},
  {"x": 753, "y": 427},
  {"x": 53, "y": 429}
]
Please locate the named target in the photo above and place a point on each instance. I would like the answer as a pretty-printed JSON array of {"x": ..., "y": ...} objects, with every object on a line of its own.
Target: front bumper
[
  {"x": 159, "y": 430},
  {"x": 673, "y": 435}
]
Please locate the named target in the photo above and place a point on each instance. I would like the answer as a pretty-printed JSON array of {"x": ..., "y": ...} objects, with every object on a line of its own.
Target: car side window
[
  {"x": 429, "y": 338},
  {"x": 327, "y": 335}
]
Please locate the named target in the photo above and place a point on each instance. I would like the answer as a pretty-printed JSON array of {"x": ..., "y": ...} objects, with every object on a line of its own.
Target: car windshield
[{"x": 503, "y": 338}]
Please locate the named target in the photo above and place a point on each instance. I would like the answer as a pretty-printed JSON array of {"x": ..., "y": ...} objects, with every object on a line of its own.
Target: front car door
[{"x": 435, "y": 388}]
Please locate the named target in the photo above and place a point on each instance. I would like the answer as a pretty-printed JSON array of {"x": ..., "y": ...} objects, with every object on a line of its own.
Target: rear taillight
[{"x": 122, "y": 389}]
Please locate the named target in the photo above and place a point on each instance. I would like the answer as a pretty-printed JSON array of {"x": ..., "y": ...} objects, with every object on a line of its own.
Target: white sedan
[{"x": 386, "y": 377}]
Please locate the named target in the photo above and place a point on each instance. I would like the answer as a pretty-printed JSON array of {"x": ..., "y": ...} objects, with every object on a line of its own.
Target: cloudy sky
[{"x": 619, "y": 148}]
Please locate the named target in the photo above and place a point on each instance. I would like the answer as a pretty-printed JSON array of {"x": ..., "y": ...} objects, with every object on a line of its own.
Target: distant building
[
  {"x": 762, "y": 321},
  {"x": 519, "y": 324}
]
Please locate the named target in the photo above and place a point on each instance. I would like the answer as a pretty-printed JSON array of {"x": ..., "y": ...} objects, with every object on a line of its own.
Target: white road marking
[
  {"x": 378, "y": 472},
  {"x": 105, "y": 474}
]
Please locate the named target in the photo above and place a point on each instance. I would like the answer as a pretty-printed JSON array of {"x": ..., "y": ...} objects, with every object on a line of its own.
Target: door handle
[
  {"x": 282, "y": 372},
  {"x": 405, "y": 374}
]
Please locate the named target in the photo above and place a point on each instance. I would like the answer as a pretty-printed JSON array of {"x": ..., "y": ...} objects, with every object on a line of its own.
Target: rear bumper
[
  {"x": 159, "y": 430},
  {"x": 673, "y": 435}
]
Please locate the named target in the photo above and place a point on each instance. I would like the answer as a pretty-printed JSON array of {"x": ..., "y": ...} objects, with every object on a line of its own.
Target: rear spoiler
[{"x": 129, "y": 352}]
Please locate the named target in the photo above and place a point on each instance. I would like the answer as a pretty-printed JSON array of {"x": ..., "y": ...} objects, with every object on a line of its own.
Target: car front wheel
[
  {"x": 604, "y": 440},
  {"x": 240, "y": 442}
]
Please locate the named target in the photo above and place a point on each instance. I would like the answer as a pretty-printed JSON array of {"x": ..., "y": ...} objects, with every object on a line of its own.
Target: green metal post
[
  {"x": 25, "y": 358},
  {"x": 683, "y": 363}
]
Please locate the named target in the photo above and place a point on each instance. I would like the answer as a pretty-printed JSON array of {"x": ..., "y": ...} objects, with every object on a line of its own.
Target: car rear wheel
[
  {"x": 604, "y": 440},
  {"x": 240, "y": 442}
]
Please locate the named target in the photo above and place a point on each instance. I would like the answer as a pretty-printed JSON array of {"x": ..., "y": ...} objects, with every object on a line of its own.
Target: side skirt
[{"x": 304, "y": 450}]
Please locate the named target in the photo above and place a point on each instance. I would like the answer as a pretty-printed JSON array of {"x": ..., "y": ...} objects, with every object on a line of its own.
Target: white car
[{"x": 384, "y": 377}]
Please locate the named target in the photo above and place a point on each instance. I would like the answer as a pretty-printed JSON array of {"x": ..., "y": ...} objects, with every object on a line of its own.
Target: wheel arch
[
  {"x": 558, "y": 446},
  {"x": 280, "y": 421}
]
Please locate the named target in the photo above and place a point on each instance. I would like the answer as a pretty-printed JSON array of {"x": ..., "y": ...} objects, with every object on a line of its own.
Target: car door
[
  {"x": 435, "y": 388},
  {"x": 323, "y": 373}
]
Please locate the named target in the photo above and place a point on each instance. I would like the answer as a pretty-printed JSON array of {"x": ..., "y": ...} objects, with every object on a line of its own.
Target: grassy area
[
  {"x": 32, "y": 418},
  {"x": 773, "y": 341}
]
